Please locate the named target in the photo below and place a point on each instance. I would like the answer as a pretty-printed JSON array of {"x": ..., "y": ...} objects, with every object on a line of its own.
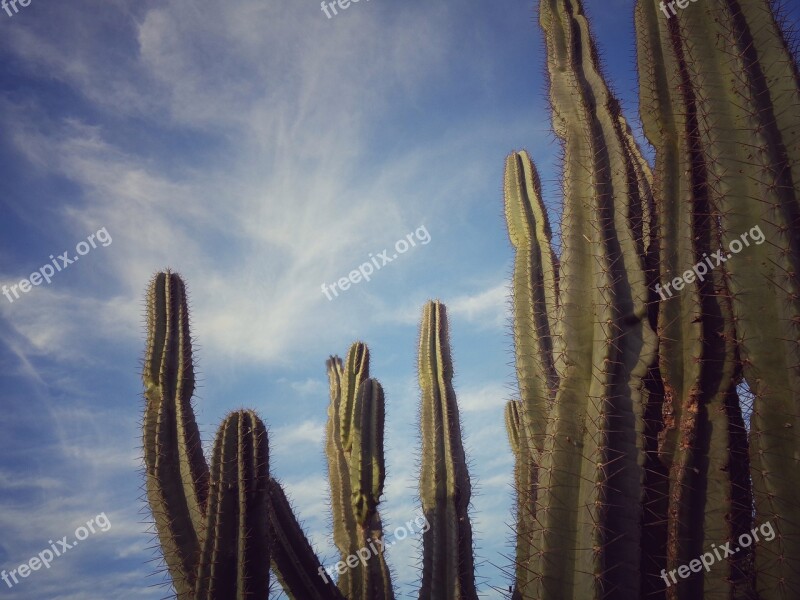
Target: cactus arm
[
  {"x": 357, "y": 475},
  {"x": 590, "y": 475},
  {"x": 344, "y": 522},
  {"x": 681, "y": 332},
  {"x": 293, "y": 560},
  {"x": 535, "y": 290},
  {"x": 356, "y": 371},
  {"x": 535, "y": 305},
  {"x": 447, "y": 563},
  {"x": 556, "y": 540},
  {"x": 367, "y": 469},
  {"x": 367, "y": 474},
  {"x": 235, "y": 560},
  {"x": 525, "y": 492},
  {"x": 176, "y": 470}
]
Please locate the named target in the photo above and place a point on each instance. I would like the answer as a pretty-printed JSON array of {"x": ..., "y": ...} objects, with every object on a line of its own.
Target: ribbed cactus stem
[
  {"x": 356, "y": 371},
  {"x": 720, "y": 102},
  {"x": 445, "y": 489},
  {"x": 235, "y": 561},
  {"x": 176, "y": 470},
  {"x": 525, "y": 473},
  {"x": 367, "y": 474},
  {"x": 293, "y": 559},
  {"x": 367, "y": 471},
  {"x": 356, "y": 475},
  {"x": 586, "y": 542},
  {"x": 535, "y": 291}
]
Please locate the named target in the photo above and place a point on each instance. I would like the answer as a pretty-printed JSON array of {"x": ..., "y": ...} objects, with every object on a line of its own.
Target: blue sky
[{"x": 260, "y": 149}]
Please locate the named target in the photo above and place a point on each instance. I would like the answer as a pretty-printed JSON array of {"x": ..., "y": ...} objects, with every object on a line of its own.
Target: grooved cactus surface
[
  {"x": 444, "y": 487},
  {"x": 354, "y": 449},
  {"x": 177, "y": 472},
  {"x": 234, "y": 563},
  {"x": 646, "y": 461},
  {"x": 632, "y": 454}
]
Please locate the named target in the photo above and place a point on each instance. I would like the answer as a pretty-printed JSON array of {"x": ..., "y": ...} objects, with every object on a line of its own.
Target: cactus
[
  {"x": 176, "y": 470},
  {"x": 644, "y": 462},
  {"x": 221, "y": 530},
  {"x": 444, "y": 487},
  {"x": 356, "y": 472},
  {"x": 235, "y": 558},
  {"x": 632, "y": 455},
  {"x": 216, "y": 527},
  {"x": 720, "y": 102}
]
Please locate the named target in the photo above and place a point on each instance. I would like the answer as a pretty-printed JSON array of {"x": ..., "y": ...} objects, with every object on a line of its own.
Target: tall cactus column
[
  {"x": 588, "y": 505},
  {"x": 176, "y": 470},
  {"x": 234, "y": 564},
  {"x": 445, "y": 489},
  {"x": 356, "y": 470},
  {"x": 720, "y": 102},
  {"x": 535, "y": 304}
]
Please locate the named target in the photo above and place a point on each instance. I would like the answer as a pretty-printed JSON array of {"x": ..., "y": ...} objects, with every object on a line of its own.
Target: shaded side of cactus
[
  {"x": 720, "y": 101},
  {"x": 587, "y": 539},
  {"x": 293, "y": 559},
  {"x": 176, "y": 470},
  {"x": 235, "y": 559},
  {"x": 214, "y": 526},
  {"x": 445, "y": 488}
]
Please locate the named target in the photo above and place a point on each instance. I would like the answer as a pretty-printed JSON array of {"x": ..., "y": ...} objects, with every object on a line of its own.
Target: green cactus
[
  {"x": 221, "y": 530},
  {"x": 176, "y": 470},
  {"x": 356, "y": 472},
  {"x": 645, "y": 458},
  {"x": 293, "y": 559},
  {"x": 444, "y": 487},
  {"x": 632, "y": 456},
  {"x": 234, "y": 562},
  {"x": 720, "y": 102}
]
